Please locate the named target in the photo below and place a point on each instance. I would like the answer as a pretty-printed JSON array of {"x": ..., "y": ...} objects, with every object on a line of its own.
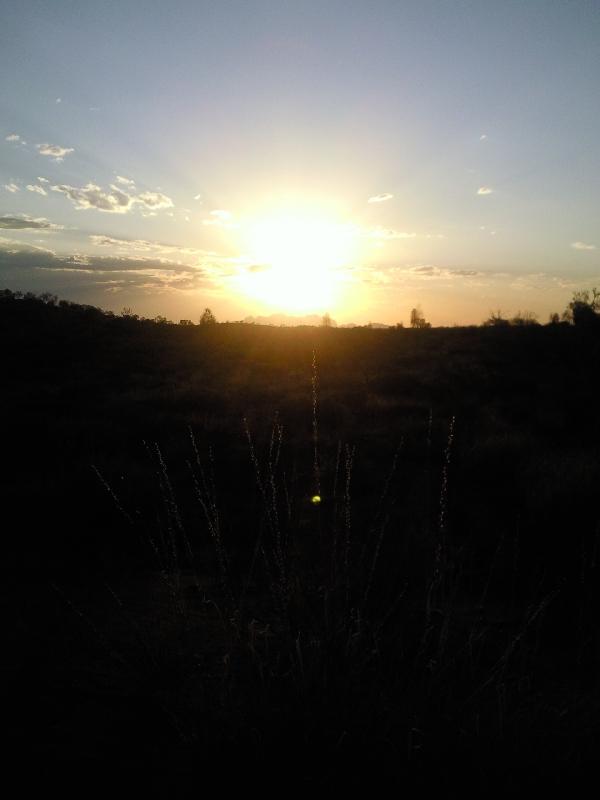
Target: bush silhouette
[
  {"x": 584, "y": 307},
  {"x": 207, "y": 318},
  {"x": 417, "y": 320}
]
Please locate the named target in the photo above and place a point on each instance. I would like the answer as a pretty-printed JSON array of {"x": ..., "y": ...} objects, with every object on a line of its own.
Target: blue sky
[{"x": 434, "y": 153}]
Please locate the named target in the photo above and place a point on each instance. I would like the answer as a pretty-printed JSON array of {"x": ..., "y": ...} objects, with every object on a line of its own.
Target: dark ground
[{"x": 177, "y": 614}]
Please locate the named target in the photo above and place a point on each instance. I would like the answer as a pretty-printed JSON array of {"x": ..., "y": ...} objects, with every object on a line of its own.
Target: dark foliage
[
  {"x": 584, "y": 309},
  {"x": 178, "y": 605}
]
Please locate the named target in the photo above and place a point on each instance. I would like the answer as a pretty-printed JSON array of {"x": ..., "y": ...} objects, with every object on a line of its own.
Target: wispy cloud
[
  {"x": 219, "y": 268},
  {"x": 483, "y": 137},
  {"x": 387, "y": 234},
  {"x": 125, "y": 181},
  {"x": 221, "y": 218},
  {"x": 37, "y": 189},
  {"x": 54, "y": 150},
  {"x": 153, "y": 200},
  {"x": 380, "y": 198},
  {"x": 197, "y": 197},
  {"x": 15, "y": 247},
  {"x": 93, "y": 196},
  {"x": 152, "y": 275},
  {"x": 22, "y": 222},
  {"x": 583, "y": 246},
  {"x": 13, "y": 137},
  {"x": 417, "y": 276},
  {"x": 485, "y": 190},
  {"x": 431, "y": 271},
  {"x": 538, "y": 281},
  {"x": 114, "y": 200},
  {"x": 43, "y": 180},
  {"x": 11, "y": 187},
  {"x": 155, "y": 249},
  {"x": 102, "y": 240},
  {"x": 414, "y": 275}
]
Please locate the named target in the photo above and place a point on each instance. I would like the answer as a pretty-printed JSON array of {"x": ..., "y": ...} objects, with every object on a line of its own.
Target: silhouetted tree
[
  {"x": 417, "y": 320},
  {"x": 584, "y": 307},
  {"x": 496, "y": 320},
  {"x": 523, "y": 318},
  {"x": 326, "y": 320},
  {"x": 207, "y": 318},
  {"x": 554, "y": 318}
]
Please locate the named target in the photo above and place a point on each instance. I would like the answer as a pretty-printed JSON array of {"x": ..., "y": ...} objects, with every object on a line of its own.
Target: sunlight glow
[{"x": 296, "y": 261}]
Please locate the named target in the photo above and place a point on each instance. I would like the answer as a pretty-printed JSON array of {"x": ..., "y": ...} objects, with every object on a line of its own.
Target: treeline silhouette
[
  {"x": 435, "y": 610},
  {"x": 583, "y": 310}
]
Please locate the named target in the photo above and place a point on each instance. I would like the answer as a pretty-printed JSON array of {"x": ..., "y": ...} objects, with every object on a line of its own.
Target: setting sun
[{"x": 296, "y": 260}]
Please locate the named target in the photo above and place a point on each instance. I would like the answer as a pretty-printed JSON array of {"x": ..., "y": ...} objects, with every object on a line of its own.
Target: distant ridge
[
  {"x": 288, "y": 320},
  {"x": 378, "y": 325}
]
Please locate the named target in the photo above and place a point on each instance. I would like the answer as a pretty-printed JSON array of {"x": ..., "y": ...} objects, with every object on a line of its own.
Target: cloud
[
  {"x": 154, "y": 200},
  {"x": 23, "y": 222},
  {"x": 219, "y": 268},
  {"x": 93, "y": 196},
  {"x": 105, "y": 264},
  {"x": 484, "y": 190},
  {"x": 387, "y": 234},
  {"x": 13, "y": 137},
  {"x": 151, "y": 275},
  {"x": 14, "y": 250},
  {"x": 537, "y": 281},
  {"x": 36, "y": 189},
  {"x": 431, "y": 271},
  {"x": 197, "y": 197},
  {"x": 417, "y": 276},
  {"x": 483, "y": 137},
  {"x": 465, "y": 273},
  {"x": 583, "y": 246},
  {"x": 114, "y": 200},
  {"x": 380, "y": 198},
  {"x": 258, "y": 268},
  {"x": 221, "y": 218},
  {"x": 55, "y": 150},
  {"x": 125, "y": 181},
  {"x": 379, "y": 235},
  {"x": 130, "y": 244},
  {"x": 43, "y": 180},
  {"x": 157, "y": 249},
  {"x": 11, "y": 187},
  {"x": 412, "y": 275},
  {"x": 58, "y": 100}
]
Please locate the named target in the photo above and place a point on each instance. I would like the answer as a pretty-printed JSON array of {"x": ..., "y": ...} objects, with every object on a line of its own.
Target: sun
[{"x": 296, "y": 260}]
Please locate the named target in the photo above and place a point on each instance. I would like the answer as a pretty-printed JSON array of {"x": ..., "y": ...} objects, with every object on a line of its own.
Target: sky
[{"x": 266, "y": 156}]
